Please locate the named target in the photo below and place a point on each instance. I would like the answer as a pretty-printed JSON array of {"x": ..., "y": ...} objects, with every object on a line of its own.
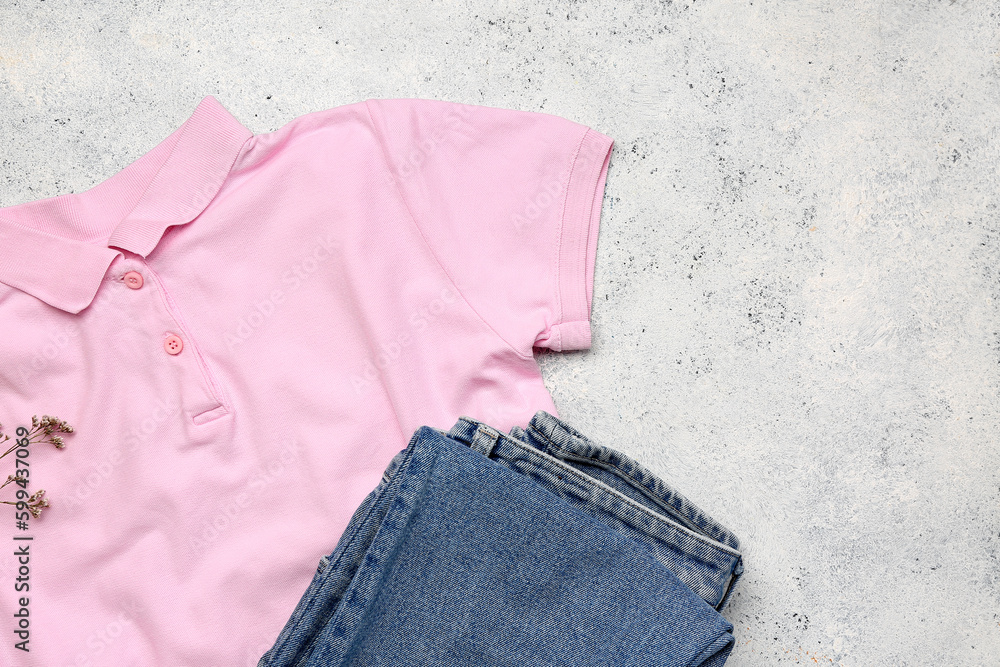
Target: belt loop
[{"x": 484, "y": 440}]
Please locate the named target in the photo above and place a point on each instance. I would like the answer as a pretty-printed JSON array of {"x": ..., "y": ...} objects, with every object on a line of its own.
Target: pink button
[
  {"x": 173, "y": 344},
  {"x": 134, "y": 280}
]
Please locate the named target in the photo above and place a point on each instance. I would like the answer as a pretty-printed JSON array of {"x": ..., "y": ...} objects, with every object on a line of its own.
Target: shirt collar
[{"x": 59, "y": 249}]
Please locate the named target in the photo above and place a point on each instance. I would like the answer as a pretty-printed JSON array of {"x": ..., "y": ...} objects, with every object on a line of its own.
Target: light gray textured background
[{"x": 795, "y": 311}]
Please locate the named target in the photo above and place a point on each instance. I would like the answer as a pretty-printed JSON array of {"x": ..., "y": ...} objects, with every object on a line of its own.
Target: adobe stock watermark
[
  {"x": 254, "y": 650},
  {"x": 547, "y": 195},
  {"x": 102, "y": 470},
  {"x": 104, "y": 638},
  {"x": 415, "y": 155},
  {"x": 55, "y": 342},
  {"x": 291, "y": 280},
  {"x": 391, "y": 350},
  {"x": 506, "y": 414},
  {"x": 551, "y": 193},
  {"x": 226, "y": 512}
]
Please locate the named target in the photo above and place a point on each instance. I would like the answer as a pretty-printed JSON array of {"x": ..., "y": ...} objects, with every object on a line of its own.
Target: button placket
[{"x": 177, "y": 339}]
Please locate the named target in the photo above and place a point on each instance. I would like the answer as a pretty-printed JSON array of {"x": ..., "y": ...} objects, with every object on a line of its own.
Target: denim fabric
[
  {"x": 458, "y": 558},
  {"x": 702, "y": 553}
]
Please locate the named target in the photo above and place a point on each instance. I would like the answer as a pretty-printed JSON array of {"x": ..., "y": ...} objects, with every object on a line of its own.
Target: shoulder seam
[{"x": 409, "y": 211}]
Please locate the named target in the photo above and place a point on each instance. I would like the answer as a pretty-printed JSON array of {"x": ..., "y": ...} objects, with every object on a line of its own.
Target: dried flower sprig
[
  {"x": 35, "y": 502},
  {"x": 44, "y": 429},
  {"x": 11, "y": 478}
]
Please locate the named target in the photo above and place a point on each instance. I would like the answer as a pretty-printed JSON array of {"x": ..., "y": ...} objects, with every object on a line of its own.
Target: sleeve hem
[{"x": 578, "y": 244}]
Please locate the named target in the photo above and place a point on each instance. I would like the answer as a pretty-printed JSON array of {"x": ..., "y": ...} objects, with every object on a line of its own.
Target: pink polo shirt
[{"x": 243, "y": 330}]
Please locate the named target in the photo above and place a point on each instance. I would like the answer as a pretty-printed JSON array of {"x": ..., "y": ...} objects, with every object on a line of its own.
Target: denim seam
[
  {"x": 730, "y": 585},
  {"x": 404, "y": 498},
  {"x": 327, "y": 571},
  {"x": 667, "y": 536},
  {"x": 550, "y": 423},
  {"x": 667, "y": 532},
  {"x": 642, "y": 488},
  {"x": 485, "y": 439},
  {"x": 732, "y": 578},
  {"x": 639, "y": 484},
  {"x": 607, "y": 465},
  {"x": 716, "y": 646},
  {"x": 331, "y": 566},
  {"x": 710, "y": 541},
  {"x": 618, "y": 494}
]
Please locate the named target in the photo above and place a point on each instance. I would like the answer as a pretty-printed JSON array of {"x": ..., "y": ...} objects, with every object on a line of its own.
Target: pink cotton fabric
[{"x": 335, "y": 284}]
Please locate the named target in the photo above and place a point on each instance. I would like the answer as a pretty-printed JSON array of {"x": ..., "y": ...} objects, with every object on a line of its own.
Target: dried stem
[{"x": 44, "y": 429}]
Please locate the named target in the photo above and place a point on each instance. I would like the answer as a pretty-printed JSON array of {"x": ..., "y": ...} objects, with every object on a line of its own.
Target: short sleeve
[{"x": 510, "y": 203}]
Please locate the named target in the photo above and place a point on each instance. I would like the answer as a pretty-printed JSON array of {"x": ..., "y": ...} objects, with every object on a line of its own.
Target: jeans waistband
[{"x": 620, "y": 492}]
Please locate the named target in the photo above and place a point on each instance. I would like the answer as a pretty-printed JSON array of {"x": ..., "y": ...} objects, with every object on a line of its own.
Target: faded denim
[
  {"x": 702, "y": 553},
  {"x": 535, "y": 548}
]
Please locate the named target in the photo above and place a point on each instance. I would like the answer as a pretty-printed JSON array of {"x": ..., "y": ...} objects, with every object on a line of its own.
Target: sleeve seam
[
  {"x": 413, "y": 220},
  {"x": 562, "y": 228},
  {"x": 568, "y": 314}
]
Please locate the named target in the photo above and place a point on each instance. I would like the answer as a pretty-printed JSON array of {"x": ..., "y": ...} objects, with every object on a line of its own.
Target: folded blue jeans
[{"x": 531, "y": 548}]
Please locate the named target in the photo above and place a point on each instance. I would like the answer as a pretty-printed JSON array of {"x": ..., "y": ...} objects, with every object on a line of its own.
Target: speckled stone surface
[{"x": 797, "y": 283}]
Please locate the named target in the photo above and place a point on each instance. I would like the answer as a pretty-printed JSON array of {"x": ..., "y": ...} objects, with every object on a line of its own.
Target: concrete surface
[{"x": 796, "y": 294}]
